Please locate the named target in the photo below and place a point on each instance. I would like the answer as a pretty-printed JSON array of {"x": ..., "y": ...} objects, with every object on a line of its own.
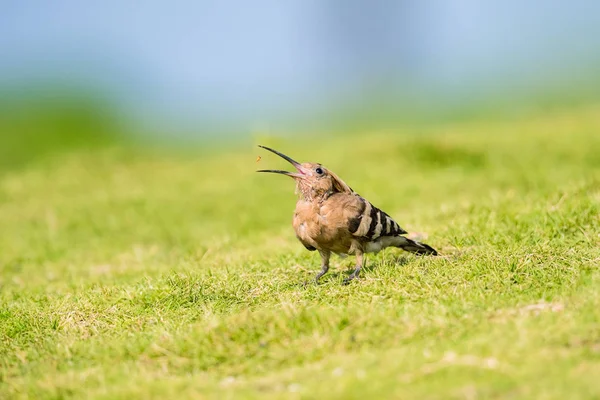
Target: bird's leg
[
  {"x": 359, "y": 265},
  {"x": 325, "y": 254}
]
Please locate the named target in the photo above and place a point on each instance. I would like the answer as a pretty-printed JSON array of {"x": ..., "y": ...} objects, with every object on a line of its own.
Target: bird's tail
[{"x": 419, "y": 248}]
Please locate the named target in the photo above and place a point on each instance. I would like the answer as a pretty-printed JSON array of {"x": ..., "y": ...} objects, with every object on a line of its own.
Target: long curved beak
[{"x": 296, "y": 164}]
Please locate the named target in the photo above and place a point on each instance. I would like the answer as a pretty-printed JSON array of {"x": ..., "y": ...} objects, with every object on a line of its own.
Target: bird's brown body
[
  {"x": 323, "y": 225},
  {"x": 331, "y": 218}
]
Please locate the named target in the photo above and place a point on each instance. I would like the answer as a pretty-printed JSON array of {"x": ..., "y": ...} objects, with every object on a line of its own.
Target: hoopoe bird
[{"x": 330, "y": 217}]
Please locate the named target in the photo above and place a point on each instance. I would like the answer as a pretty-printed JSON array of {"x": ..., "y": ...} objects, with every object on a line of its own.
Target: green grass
[{"x": 136, "y": 274}]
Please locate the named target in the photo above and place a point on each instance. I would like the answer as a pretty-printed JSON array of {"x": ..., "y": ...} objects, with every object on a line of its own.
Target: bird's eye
[{"x": 319, "y": 170}]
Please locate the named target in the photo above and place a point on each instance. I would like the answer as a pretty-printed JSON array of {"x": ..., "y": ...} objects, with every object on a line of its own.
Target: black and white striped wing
[{"x": 371, "y": 223}]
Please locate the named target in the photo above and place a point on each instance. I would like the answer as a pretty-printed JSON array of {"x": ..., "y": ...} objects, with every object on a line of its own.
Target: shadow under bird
[{"x": 332, "y": 218}]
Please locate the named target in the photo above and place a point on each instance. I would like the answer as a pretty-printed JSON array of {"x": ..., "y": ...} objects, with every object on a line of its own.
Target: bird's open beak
[{"x": 301, "y": 170}]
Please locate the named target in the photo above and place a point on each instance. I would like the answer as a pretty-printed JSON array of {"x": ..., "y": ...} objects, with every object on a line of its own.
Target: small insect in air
[
  {"x": 330, "y": 217},
  {"x": 258, "y": 159}
]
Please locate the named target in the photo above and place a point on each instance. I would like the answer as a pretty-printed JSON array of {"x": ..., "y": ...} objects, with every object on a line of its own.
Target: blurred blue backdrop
[{"x": 239, "y": 64}]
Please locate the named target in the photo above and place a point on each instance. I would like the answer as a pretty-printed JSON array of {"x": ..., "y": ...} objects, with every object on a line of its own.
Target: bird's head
[{"x": 313, "y": 181}]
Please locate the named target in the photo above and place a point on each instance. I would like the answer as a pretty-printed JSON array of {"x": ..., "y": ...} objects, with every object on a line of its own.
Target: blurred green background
[{"x": 75, "y": 74}]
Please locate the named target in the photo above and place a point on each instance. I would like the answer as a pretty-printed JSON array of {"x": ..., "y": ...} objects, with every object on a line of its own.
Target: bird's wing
[{"x": 362, "y": 219}]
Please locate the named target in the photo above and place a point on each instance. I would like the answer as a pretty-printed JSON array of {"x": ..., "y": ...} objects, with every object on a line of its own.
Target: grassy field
[{"x": 144, "y": 274}]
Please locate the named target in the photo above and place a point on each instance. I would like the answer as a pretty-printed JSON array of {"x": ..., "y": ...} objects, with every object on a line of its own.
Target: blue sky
[{"x": 249, "y": 61}]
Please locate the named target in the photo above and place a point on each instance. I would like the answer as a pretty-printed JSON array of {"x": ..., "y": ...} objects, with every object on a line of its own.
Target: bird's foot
[
  {"x": 323, "y": 271},
  {"x": 311, "y": 282},
  {"x": 349, "y": 279}
]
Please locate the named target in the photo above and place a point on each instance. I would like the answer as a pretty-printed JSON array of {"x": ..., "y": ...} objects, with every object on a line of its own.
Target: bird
[{"x": 330, "y": 217}]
